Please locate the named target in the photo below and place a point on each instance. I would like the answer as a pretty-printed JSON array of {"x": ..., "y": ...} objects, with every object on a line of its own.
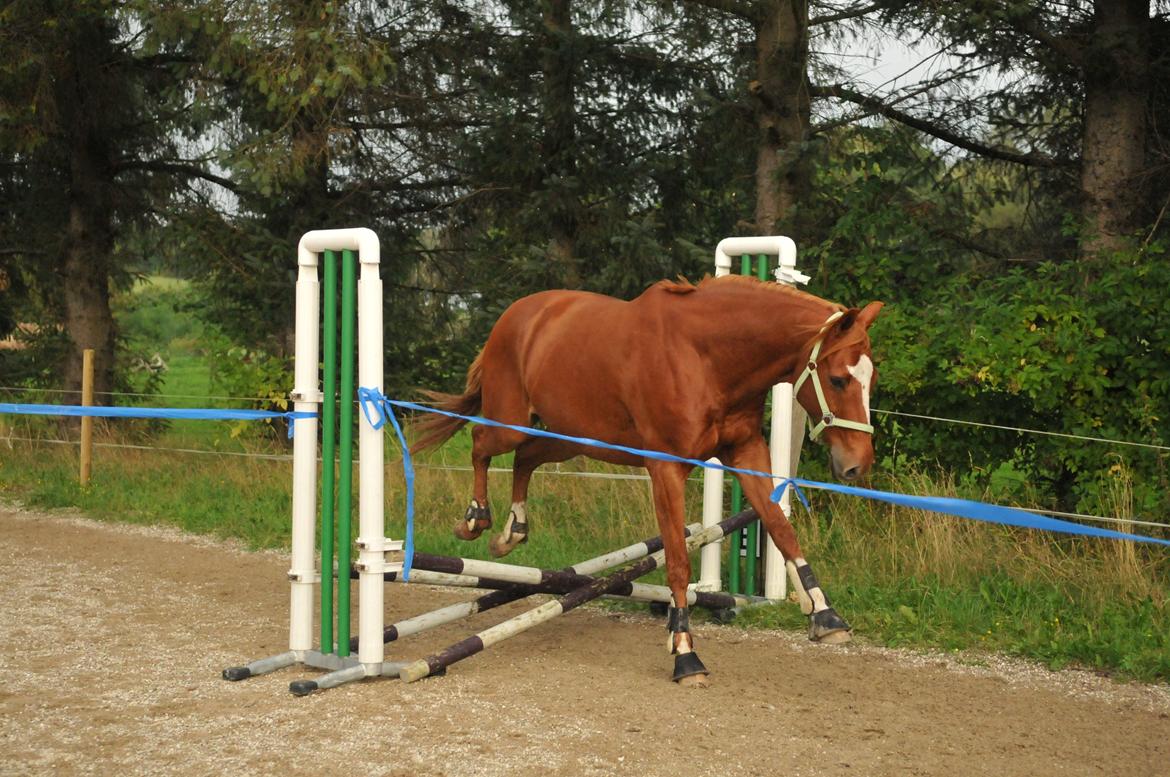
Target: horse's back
[{"x": 563, "y": 352}]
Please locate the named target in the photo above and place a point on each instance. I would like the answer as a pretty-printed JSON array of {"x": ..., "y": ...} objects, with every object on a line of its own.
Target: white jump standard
[{"x": 372, "y": 544}]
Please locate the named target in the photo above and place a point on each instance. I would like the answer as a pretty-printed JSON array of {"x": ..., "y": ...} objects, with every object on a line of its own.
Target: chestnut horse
[{"x": 682, "y": 369}]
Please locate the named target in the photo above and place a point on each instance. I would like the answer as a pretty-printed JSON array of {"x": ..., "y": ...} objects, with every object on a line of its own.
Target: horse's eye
[{"x": 838, "y": 383}]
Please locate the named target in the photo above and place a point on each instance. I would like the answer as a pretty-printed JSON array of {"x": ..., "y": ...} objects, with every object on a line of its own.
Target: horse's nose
[{"x": 852, "y": 473}]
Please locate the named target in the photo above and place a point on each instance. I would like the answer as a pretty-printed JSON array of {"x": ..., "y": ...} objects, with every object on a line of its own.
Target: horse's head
[{"x": 835, "y": 380}]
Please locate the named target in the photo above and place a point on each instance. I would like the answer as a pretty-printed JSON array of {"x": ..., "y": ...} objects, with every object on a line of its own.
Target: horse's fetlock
[
  {"x": 802, "y": 597},
  {"x": 812, "y": 597},
  {"x": 478, "y": 517},
  {"x": 475, "y": 521},
  {"x": 678, "y": 625},
  {"x": 516, "y": 529}
]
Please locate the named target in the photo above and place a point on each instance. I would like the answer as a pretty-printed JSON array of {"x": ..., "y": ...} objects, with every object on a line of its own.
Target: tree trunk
[
  {"x": 783, "y": 178},
  {"x": 1114, "y": 141},
  {"x": 89, "y": 237},
  {"x": 559, "y": 143}
]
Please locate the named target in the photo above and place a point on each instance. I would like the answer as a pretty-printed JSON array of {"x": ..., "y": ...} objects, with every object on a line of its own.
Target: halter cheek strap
[{"x": 827, "y": 418}]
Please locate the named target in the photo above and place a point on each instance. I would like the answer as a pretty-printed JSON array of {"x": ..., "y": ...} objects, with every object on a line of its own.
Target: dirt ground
[{"x": 112, "y": 639}]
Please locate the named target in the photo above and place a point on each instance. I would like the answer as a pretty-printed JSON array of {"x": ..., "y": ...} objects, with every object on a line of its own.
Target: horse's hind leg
[
  {"x": 486, "y": 441},
  {"x": 531, "y": 454}
]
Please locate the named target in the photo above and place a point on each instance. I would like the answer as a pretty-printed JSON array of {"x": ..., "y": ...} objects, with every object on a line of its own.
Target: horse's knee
[{"x": 515, "y": 532}]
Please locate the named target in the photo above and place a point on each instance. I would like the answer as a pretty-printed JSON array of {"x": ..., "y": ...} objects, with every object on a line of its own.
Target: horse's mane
[
  {"x": 683, "y": 286},
  {"x": 854, "y": 334}
]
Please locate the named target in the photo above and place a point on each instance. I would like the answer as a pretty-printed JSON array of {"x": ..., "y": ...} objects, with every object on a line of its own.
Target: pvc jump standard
[{"x": 379, "y": 558}]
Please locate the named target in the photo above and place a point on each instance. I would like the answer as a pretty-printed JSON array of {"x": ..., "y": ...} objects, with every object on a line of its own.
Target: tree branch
[
  {"x": 1030, "y": 25},
  {"x": 393, "y": 126},
  {"x": 399, "y": 186},
  {"x": 748, "y": 11},
  {"x": 175, "y": 168},
  {"x": 849, "y": 13},
  {"x": 874, "y": 105}
]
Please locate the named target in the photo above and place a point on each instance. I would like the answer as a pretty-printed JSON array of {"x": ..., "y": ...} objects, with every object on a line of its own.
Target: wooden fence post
[{"x": 86, "y": 421}]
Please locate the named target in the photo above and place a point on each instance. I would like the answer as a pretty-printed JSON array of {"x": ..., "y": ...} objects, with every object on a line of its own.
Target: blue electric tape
[
  {"x": 381, "y": 405},
  {"x": 198, "y": 414},
  {"x": 962, "y": 508}
]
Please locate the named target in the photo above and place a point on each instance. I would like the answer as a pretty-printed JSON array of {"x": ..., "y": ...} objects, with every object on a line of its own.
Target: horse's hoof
[
  {"x": 829, "y": 628},
  {"x": 836, "y": 638},
  {"x": 689, "y": 670},
  {"x": 500, "y": 547},
  {"x": 694, "y": 681},
  {"x": 462, "y": 532}
]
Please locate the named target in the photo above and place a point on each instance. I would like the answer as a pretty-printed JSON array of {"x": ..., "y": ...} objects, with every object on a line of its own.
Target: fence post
[{"x": 86, "y": 421}]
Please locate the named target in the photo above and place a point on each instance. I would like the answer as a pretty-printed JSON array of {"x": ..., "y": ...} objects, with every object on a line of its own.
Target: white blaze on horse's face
[{"x": 862, "y": 372}]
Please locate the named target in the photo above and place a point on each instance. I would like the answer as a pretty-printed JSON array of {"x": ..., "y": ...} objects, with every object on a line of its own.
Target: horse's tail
[{"x": 437, "y": 429}]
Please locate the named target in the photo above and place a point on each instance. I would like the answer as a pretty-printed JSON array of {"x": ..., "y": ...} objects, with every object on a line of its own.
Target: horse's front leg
[
  {"x": 824, "y": 624},
  {"x": 668, "y": 480}
]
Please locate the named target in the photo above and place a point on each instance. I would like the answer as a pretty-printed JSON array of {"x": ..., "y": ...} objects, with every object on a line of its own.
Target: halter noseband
[{"x": 827, "y": 418}]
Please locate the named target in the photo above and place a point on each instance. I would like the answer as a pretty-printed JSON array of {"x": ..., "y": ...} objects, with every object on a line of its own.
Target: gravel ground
[{"x": 112, "y": 639}]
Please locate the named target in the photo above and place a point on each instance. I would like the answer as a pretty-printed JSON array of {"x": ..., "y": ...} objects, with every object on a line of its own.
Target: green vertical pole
[
  {"x": 753, "y": 529},
  {"x": 328, "y": 446},
  {"x": 345, "y": 483},
  {"x": 735, "y": 583}
]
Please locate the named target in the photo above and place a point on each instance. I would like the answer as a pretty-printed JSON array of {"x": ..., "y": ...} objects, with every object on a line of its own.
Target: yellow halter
[{"x": 827, "y": 418}]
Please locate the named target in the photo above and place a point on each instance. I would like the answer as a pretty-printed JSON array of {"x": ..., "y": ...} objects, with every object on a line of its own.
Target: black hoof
[
  {"x": 827, "y": 623},
  {"x": 687, "y": 664},
  {"x": 302, "y": 687},
  {"x": 237, "y": 673},
  {"x": 659, "y": 609},
  {"x": 724, "y": 616}
]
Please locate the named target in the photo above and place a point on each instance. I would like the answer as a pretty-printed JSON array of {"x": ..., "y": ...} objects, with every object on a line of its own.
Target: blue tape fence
[
  {"x": 198, "y": 414},
  {"x": 383, "y": 411}
]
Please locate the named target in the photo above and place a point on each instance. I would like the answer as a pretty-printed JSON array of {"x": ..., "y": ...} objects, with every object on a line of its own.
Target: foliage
[{"x": 1041, "y": 349}]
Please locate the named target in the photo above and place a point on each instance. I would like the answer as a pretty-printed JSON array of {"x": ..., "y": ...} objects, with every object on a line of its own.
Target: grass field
[{"x": 902, "y": 577}]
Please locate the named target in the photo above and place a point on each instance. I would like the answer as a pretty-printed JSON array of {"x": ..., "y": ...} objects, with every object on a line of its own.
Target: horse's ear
[{"x": 866, "y": 315}]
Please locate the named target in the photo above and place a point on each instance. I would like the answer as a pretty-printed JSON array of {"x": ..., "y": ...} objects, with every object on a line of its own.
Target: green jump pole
[
  {"x": 753, "y": 529},
  {"x": 734, "y": 580},
  {"x": 345, "y": 481},
  {"x": 328, "y": 446},
  {"x": 735, "y": 583}
]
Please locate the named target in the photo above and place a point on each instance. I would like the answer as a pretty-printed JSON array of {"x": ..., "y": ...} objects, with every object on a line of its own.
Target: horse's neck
[{"x": 757, "y": 342}]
